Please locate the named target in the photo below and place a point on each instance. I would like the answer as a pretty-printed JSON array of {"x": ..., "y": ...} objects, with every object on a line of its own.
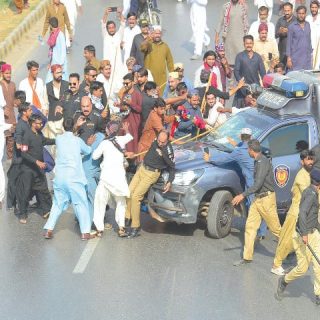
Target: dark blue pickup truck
[{"x": 282, "y": 122}]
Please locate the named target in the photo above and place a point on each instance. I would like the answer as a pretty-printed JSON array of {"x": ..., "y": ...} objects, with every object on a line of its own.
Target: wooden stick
[
  {"x": 174, "y": 141},
  {"x": 198, "y": 136},
  {"x": 203, "y": 102}
]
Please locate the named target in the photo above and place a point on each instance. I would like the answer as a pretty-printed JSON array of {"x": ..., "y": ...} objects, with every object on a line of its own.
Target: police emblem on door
[{"x": 281, "y": 175}]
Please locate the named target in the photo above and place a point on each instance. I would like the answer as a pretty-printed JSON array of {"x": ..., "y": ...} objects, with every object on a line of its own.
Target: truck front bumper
[{"x": 180, "y": 204}]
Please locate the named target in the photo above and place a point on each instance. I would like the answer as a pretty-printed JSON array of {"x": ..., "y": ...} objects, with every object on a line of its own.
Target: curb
[{"x": 12, "y": 39}]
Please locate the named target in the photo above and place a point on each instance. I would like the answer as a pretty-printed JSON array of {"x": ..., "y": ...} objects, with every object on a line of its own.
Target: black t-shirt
[{"x": 147, "y": 106}]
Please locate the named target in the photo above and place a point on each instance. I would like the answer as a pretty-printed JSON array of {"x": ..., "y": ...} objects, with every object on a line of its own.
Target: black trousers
[{"x": 32, "y": 182}]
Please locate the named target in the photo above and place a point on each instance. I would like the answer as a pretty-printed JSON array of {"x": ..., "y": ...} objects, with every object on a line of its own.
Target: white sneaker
[{"x": 278, "y": 271}]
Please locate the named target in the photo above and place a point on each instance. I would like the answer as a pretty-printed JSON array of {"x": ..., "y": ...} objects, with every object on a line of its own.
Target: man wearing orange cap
[
  {"x": 8, "y": 89},
  {"x": 266, "y": 47}
]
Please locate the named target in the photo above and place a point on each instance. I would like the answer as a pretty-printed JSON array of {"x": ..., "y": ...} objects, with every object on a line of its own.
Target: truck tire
[{"x": 220, "y": 214}]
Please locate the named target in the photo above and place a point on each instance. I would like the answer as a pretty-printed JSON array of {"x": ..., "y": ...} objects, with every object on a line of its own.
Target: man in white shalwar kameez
[
  {"x": 3, "y": 127},
  {"x": 113, "y": 182},
  {"x": 72, "y": 7},
  {"x": 314, "y": 20},
  {"x": 266, "y": 3},
  {"x": 198, "y": 18},
  {"x": 130, "y": 31},
  {"x": 111, "y": 43}
]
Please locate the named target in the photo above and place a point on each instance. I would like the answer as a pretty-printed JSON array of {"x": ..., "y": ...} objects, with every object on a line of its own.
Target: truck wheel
[{"x": 220, "y": 214}]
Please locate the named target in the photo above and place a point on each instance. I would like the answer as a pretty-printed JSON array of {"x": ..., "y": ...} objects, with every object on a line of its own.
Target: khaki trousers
[
  {"x": 266, "y": 209},
  {"x": 285, "y": 244},
  {"x": 139, "y": 185},
  {"x": 304, "y": 257}
]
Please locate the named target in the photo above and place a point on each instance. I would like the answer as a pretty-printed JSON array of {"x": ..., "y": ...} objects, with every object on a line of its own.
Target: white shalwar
[
  {"x": 3, "y": 127},
  {"x": 198, "y": 19},
  {"x": 112, "y": 50},
  {"x": 128, "y": 35},
  {"x": 72, "y": 10},
  {"x": 315, "y": 39},
  {"x": 113, "y": 181},
  {"x": 265, "y": 3}
]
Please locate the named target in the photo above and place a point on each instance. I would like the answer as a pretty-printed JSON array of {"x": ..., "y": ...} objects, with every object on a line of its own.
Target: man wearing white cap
[
  {"x": 179, "y": 67},
  {"x": 170, "y": 90},
  {"x": 198, "y": 19}
]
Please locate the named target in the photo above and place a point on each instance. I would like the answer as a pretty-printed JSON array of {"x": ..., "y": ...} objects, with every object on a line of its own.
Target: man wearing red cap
[
  {"x": 263, "y": 18},
  {"x": 8, "y": 89},
  {"x": 266, "y": 47}
]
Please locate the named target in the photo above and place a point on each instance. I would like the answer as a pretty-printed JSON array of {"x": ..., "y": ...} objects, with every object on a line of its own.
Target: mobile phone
[
  {"x": 113, "y": 9},
  {"x": 270, "y": 56},
  {"x": 206, "y": 150}
]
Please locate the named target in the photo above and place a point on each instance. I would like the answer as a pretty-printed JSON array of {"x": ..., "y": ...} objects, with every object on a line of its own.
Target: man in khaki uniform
[
  {"x": 306, "y": 238},
  {"x": 301, "y": 182},
  {"x": 58, "y": 10},
  {"x": 264, "y": 205}
]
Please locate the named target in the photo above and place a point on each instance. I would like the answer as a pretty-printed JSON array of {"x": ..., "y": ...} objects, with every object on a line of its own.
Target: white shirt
[
  {"x": 113, "y": 173},
  {"x": 128, "y": 36},
  {"x": 39, "y": 88},
  {"x": 215, "y": 118},
  {"x": 198, "y": 83},
  {"x": 255, "y": 26},
  {"x": 315, "y": 30},
  {"x": 111, "y": 90},
  {"x": 266, "y": 3}
]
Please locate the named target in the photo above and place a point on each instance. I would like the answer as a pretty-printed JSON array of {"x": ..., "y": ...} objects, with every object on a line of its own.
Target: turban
[
  {"x": 263, "y": 27},
  {"x": 178, "y": 66},
  {"x": 174, "y": 75},
  {"x": 5, "y": 67},
  {"x": 54, "y": 67},
  {"x": 220, "y": 46}
]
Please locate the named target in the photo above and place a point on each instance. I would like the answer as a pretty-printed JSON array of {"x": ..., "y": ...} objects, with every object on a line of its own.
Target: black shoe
[
  {"x": 241, "y": 262},
  {"x": 134, "y": 233},
  {"x": 127, "y": 222},
  {"x": 281, "y": 287},
  {"x": 317, "y": 302}
]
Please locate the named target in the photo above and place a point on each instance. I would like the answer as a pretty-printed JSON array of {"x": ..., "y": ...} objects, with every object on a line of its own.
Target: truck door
[{"x": 284, "y": 145}]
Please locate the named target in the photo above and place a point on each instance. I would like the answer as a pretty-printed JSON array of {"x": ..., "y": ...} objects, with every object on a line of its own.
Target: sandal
[
  {"x": 99, "y": 234},
  {"x": 122, "y": 233}
]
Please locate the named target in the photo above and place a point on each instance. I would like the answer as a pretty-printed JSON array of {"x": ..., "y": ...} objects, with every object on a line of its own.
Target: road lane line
[{"x": 86, "y": 256}]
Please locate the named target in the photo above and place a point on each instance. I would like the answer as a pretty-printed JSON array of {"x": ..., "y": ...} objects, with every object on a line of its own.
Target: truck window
[{"x": 287, "y": 140}]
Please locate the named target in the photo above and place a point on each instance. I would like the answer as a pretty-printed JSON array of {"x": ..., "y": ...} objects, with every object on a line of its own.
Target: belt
[
  {"x": 151, "y": 169},
  {"x": 263, "y": 194}
]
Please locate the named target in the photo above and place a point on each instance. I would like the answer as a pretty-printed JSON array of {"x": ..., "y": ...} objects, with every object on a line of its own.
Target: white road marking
[{"x": 86, "y": 256}]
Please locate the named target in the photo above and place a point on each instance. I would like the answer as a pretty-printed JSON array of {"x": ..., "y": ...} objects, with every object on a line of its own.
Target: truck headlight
[{"x": 186, "y": 178}]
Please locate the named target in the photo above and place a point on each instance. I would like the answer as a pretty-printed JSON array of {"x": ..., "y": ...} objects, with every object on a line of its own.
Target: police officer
[
  {"x": 307, "y": 234},
  {"x": 301, "y": 182},
  {"x": 159, "y": 157},
  {"x": 87, "y": 121},
  {"x": 264, "y": 205},
  {"x": 241, "y": 156}
]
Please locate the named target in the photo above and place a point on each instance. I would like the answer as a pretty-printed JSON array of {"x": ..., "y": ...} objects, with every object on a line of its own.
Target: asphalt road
[{"x": 170, "y": 272}]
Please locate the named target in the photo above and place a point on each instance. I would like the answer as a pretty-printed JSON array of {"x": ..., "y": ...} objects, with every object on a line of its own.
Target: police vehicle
[{"x": 285, "y": 122}]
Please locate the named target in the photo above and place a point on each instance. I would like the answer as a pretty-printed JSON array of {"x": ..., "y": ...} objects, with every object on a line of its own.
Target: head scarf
[
  {"x": 5, "y": 67},
  {"x": 263, "y": 27}
]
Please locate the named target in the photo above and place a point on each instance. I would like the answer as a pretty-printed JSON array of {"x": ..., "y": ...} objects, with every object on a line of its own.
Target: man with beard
[
  {"x": 96, "y": 93},
  {"x": 158, "y": 58},
  {"x": 173, "y": 81},
  {"x": 34, "y": 88},
  {"x": 282, "y": 30},
  {"x": 111, "y": 42},
  {"x": 301, "y": 182},
  {"x": 138, "y": 40},
  {"x": 55, "y": 90},
  {"x": 299, "y": 49},
  {"x": 132, "y": 103},
  {"x": 130, "y": 31},
  {"x": 314, "y": 20},
  {"x": 32, "y": 179},
  {"x": 142, "y": 78},
  {"x": 8, "y": 89},
  {"x": 263, "y": 18}
]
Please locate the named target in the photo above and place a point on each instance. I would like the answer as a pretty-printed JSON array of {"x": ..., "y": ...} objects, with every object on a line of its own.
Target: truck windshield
[{"x": 257, "y": 121}]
